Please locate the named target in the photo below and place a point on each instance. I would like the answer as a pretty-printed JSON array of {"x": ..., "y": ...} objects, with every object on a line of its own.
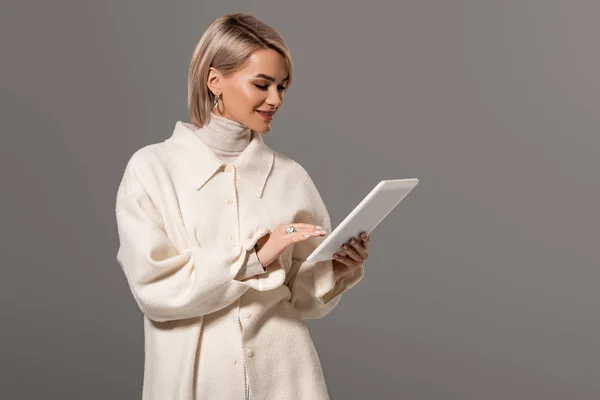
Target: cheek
[{"x": 253, "y": 98}]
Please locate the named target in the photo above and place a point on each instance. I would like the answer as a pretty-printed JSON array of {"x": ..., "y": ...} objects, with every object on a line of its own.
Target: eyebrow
[{"x": 270, "y": 78}]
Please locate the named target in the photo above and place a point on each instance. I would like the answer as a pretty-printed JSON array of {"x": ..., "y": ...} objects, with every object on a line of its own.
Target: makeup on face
[{"x": 254, "y": 94}]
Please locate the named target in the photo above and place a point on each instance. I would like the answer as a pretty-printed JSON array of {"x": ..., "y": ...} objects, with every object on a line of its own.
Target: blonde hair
[{"x": 226, "y": 45}]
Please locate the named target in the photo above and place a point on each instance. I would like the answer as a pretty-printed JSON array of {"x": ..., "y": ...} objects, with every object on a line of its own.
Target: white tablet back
[{"x": 384, "y": 197}]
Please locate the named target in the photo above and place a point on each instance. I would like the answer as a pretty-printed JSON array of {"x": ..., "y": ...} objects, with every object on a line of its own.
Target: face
[{"x": 252, "y": 94}]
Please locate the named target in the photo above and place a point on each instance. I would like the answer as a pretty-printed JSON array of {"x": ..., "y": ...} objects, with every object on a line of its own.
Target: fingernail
[
  {"x": 319, "y": 227},
  {"x": 307, "y": 235}
]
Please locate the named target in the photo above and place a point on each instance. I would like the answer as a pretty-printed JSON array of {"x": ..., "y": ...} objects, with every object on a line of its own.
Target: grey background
[{"x": 483, "y": 284}]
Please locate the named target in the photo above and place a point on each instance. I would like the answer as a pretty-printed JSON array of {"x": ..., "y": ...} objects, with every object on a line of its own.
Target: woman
[{"x": 214, "y": 230}]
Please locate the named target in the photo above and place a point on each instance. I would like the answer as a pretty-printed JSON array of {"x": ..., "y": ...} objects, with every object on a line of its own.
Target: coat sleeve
[
  {"x": 168, "y": 284},
  {"x": 315, "y": 292}
]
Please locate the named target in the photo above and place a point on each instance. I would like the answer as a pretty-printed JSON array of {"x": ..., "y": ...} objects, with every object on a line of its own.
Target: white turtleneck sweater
[{"x": 228, "y": 139}]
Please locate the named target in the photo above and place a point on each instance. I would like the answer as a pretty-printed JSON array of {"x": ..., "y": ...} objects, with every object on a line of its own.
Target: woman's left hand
[{"x": 351, "y": 255}]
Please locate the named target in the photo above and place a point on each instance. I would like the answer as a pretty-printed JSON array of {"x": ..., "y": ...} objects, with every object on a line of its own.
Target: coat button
[
  {"x": 246, "y": 314},
  {"x": 229, "y": 202},
  {"x": 229, "y": 168},
  {"x": 249, "y": 352},
  {"x": 230, "y": 237}
]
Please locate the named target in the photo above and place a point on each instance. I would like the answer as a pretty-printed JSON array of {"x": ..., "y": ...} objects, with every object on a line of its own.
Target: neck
[{"x": 224, "y": 134}]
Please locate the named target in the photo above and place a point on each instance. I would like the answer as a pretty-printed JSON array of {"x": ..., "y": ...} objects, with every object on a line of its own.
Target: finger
[
  {"x": 359, "y": 248},
  {"x": 350, "y": 263},
  {"x": 365, "y": 239},
  {"x": 339, "y": 266},
  {"x": 302, "y": 235},
  {"x": 341, "y": 258},
  {"x": 302, "y": 232},
  {"x": 305, "y": 228},
  {"x": 350, "y": 252}
]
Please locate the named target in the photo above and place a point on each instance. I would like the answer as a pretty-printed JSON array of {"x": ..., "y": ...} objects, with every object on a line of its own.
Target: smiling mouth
[{"x": 266, "y": 114}]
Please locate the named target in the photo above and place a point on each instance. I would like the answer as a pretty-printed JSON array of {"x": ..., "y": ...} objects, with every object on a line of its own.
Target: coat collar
[{"x": 252, "y": 166}]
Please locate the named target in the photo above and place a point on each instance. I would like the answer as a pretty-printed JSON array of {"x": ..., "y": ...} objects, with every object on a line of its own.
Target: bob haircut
[{"x": 226, "y": 45}]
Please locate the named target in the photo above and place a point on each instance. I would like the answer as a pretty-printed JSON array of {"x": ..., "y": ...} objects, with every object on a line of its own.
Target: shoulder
[
  {"x": 149, "y": 154},
  {"x": 148, "y": 166},
  {"x": 298, "y": 181},
  {"x": 150, "y": 158},
  {"x": 292, "y": 169}
]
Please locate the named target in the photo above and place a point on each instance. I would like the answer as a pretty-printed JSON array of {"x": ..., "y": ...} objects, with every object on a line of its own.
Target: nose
[{"x": 274, "y": 99}]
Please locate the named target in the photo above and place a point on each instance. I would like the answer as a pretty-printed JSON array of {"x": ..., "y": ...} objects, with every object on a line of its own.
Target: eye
[{"x": 265, "y": 87}]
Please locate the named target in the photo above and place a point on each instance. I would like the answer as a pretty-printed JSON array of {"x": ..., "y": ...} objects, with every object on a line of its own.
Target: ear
[{"x": 214, "y": 81}]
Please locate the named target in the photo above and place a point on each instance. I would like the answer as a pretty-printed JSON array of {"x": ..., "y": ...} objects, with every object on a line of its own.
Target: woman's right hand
[{"x": 270, "y": 246}]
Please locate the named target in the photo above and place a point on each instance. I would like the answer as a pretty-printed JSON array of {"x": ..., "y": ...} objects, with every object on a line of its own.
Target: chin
[{"x": 263, "y": 129}]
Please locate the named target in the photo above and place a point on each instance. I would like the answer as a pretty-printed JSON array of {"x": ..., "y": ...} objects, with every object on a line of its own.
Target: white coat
[{"x": 187, "y": 225}]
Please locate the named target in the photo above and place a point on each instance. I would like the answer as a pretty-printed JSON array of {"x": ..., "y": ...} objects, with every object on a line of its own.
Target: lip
[{"x": 266, "y": 116}]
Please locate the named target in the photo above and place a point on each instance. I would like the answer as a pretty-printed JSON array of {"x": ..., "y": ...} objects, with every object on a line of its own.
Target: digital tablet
[{"x": 384, "y": 197}]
